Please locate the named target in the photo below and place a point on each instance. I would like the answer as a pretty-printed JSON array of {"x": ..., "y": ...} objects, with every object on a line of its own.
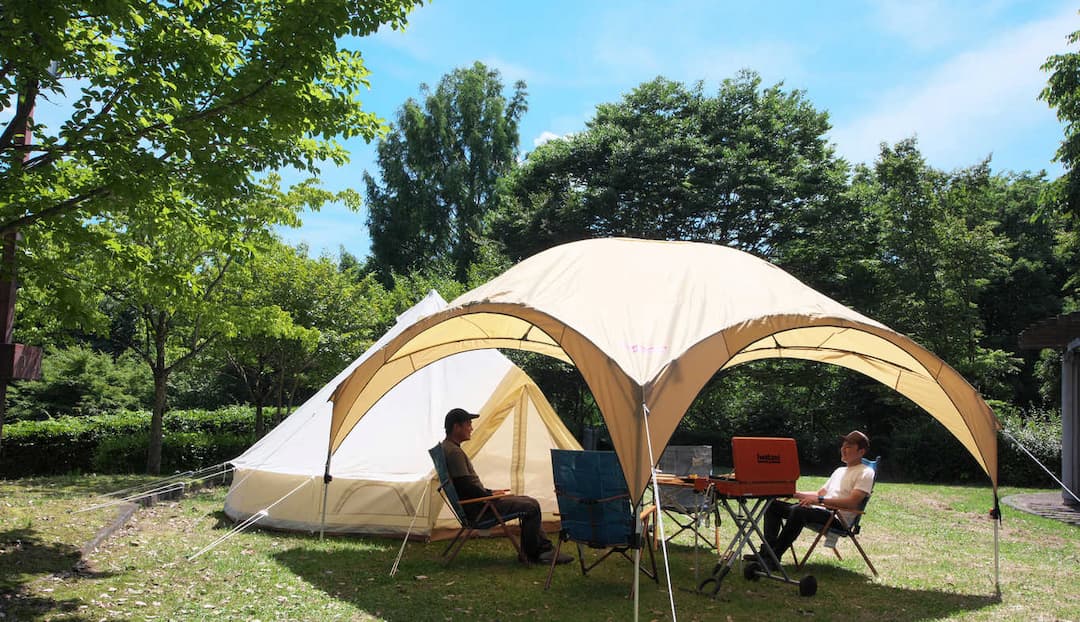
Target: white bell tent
[{"x": 382, "y": 474}]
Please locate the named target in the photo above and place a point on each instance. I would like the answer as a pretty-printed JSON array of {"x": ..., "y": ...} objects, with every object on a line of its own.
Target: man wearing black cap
[
  {"x": 534, "y": 541},
  {"x": 846, "y": 488}
]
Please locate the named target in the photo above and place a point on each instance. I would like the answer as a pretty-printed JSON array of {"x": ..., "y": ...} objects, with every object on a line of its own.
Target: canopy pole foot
[{"x": 325, "y": 493}]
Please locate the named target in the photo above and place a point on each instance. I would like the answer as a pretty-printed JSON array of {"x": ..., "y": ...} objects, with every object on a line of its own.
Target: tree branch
[{"x": 63, "y": 206}]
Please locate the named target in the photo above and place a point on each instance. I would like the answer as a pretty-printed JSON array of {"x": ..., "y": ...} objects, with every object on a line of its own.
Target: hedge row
[
  {"x": 922, "y": 450},
  {"x": 118, "y": 443}
]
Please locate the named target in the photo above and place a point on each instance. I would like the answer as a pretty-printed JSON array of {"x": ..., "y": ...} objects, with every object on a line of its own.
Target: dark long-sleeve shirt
[{"x": 466, "y": 481}]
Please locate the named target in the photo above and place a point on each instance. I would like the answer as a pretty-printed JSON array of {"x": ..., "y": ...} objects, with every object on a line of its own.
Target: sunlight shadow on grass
[
  {"x": 23, "y": 558},
  {"x": 486, "y": 583}
]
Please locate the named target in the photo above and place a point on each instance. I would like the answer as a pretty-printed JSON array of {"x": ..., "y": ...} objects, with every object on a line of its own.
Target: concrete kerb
[{"x": 1045, "y": 504}]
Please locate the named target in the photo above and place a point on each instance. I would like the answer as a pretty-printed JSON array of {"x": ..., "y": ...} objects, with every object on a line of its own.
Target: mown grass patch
[{"x": 932, "y": 544}]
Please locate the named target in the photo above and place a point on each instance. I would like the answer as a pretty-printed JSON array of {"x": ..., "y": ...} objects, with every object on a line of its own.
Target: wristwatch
[{"x": 820, "y": 499}]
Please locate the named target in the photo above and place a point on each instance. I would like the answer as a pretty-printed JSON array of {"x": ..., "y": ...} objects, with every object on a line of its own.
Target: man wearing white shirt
[{"x": 846, "y": 488}]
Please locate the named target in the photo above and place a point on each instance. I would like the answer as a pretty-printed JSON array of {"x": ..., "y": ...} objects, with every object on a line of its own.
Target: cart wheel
[
  {"x": 751, "y": 571},
  {"x": 807, "y": 586}
]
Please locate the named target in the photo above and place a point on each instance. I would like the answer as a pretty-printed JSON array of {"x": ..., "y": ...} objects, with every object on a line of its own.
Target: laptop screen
[{"x": 765, "y": 459}]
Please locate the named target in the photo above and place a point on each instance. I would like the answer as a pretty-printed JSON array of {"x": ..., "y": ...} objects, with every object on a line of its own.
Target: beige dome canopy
[{"x": 647, "y": 323}]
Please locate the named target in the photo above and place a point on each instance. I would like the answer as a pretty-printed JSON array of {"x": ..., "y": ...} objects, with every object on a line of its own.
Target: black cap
[
  {"x": 458, "y": 415},
  {"x": 857, "y": 438}
]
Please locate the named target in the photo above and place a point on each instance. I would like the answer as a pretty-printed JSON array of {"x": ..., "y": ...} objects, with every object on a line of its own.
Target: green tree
[
  {"x": 313, "y": 320},
  {"x": 438, "y": 169},
  {"x": 184, "y": 99},
  {"x": 167, "y": 270},
  {"x": 749, "y": 167},
  {"x": 1063, "y": 93},
  {"x": 937, "y": 248}
]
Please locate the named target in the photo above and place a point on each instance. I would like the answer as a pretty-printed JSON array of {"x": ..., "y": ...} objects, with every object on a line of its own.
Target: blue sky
[{"x": 962, "y": 76}]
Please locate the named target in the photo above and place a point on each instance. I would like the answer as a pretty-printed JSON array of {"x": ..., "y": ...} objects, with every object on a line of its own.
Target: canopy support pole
[
  {"x": 325, "y": 493},
  {"x": 997, "y": 565},
  {"x": 659, "y": 513}
]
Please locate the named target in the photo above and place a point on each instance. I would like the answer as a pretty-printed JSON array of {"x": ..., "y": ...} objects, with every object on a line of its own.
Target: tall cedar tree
[{"x": 438, "y": 168}]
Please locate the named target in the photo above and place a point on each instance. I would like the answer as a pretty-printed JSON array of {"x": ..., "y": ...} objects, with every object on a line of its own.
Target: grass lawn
[{"x": 933, "y": 546}]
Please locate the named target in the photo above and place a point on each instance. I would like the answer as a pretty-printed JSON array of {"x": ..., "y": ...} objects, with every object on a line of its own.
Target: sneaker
[{"x": 547, "y": 556}]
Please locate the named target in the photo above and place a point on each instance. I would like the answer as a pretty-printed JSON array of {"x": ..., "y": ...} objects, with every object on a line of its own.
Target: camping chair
[
  {"x": 486, "y": 518},
  {"x": 836, "y": 527},
  {"x": 688, "y": 508},
  {"x": 595, "y": 509}
]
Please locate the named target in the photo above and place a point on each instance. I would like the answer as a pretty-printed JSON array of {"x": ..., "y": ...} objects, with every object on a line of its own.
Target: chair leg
[
  {"x": 453, "y": 542},
  {"x": 460, "y": 544},
  {"x": 655, "y": 576},
  {"x": 799, "y": 564},
  {"x": 644, "y": 542},
  {"x": 820, "y": 535},
  {"x": 554, "y": 560},
  {"x": 866, "y": 559},
  {"x": 506, "y": 530}
]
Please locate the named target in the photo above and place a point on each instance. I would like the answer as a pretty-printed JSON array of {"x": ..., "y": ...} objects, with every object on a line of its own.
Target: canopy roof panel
[{"x": 647, "y": 323}]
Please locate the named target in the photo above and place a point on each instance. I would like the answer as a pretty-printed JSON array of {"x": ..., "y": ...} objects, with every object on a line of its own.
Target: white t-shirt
[{"x": 846, "y": 479}]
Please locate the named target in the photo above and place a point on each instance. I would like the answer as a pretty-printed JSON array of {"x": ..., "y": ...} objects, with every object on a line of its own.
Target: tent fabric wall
[
  {"x": 647, "y": 323},
  {"x": 381, "y": 470}
]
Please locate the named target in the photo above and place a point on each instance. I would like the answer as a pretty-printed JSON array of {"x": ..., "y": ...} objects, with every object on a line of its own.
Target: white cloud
[
  {"x": 929, "y": 24},
  {"x": 545, "y": 137},
  {"x": 969, "y": 106},
  {"x": 773, "y": 60},
  {"x": 511, "y": 72},
  {"x": 923, "y": 24}
]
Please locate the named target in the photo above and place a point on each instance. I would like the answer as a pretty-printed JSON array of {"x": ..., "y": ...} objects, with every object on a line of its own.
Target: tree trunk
[
  {"x": 260, "y": 421},
  {"x": 280, "y": 391},
  {"x": 3, "y": 412},
  {"x": 153, "y": 458}
]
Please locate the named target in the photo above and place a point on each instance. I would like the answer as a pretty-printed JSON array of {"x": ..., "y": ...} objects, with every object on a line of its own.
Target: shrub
[
  {"x": 79, "y": 381},
  {"x": 1039, "y": 431},
  {"x": 117, "y": 443},
  {"x": 924, "y": 451},
  {"x": 180, "y": 451}
]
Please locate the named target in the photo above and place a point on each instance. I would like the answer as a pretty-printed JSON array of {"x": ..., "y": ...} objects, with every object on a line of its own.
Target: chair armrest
[
  {"x": 479, "y": 499},
  {"x": 830, "y": 506},
  {"x": 647, "y": 515}
]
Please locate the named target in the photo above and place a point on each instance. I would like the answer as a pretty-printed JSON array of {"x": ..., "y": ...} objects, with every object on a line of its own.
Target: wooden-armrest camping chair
[
  {"x": 690, "y": 509},
  {"x": 486, "y": 518},
  {"x": 835, "y": 528},
  {"x": 596, "y": 511}
]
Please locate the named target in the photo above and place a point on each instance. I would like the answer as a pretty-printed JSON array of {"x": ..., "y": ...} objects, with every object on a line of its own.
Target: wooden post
[{"x": 16, "y": 360}]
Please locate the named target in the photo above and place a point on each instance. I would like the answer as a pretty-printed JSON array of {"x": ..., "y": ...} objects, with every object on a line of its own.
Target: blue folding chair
[
  {"x": 596, "y": 511},
  {"x": 486, "y": 518},
  {"x": 836, "y": 527}
]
